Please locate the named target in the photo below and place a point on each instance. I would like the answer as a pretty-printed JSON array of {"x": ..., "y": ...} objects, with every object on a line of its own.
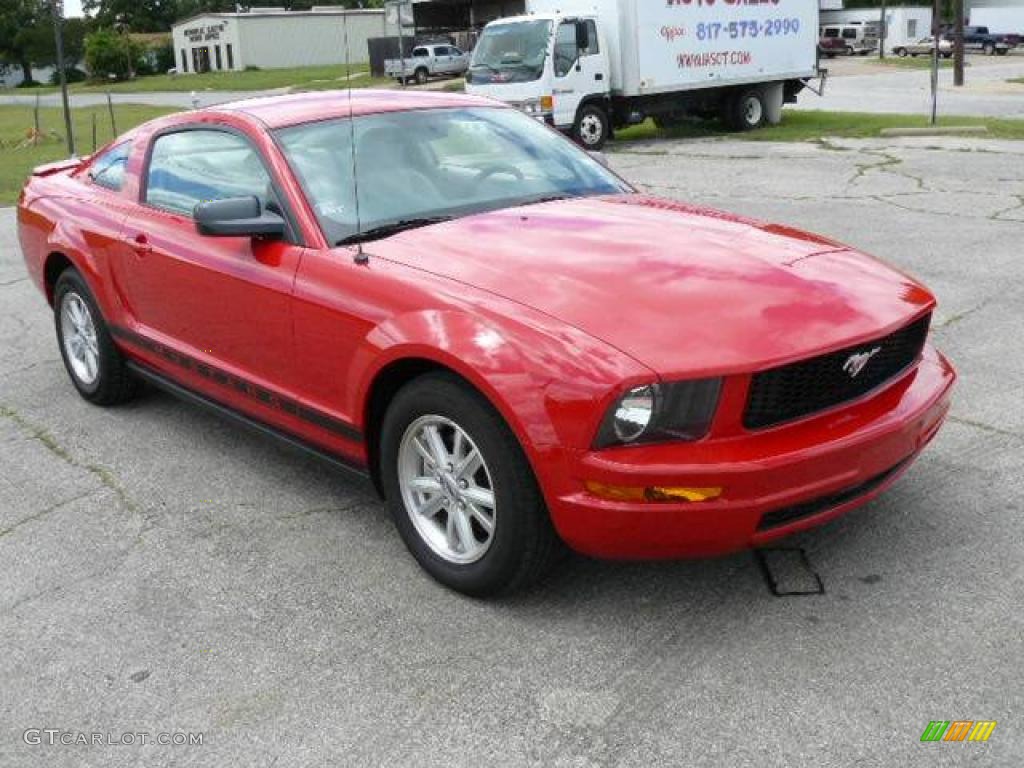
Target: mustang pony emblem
[{"x": 855, "y": 363}]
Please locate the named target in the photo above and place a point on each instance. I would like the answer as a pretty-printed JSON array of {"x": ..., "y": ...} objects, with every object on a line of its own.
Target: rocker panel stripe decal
[{"x": 243, "y": 386}]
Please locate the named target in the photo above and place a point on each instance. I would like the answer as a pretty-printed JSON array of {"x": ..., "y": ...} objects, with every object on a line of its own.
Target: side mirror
[
  {"x": 237, "y": 217},
  {"x": 582, "y": 36},
  {"x": 601, "y": 157}
]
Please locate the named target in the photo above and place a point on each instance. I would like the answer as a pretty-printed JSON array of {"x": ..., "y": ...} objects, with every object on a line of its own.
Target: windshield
[
  {"x": 510, "y": 53},
  {"x": 413, "y": 167}
]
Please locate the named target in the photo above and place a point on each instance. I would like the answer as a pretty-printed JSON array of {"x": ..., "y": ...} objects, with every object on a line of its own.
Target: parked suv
[{"x": 848, "y": 39}]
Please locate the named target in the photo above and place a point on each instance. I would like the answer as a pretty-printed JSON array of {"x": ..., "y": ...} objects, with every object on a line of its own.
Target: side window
[
  {"x": 565, "y": 48},
  {"x": 849, "y": 34},
  {"x": 455, "y": 51},
  {"x": 592, "y": 44},
  {"x": 831, "y": 32},
  {"x": 420, "y": 52},
  {"x": 107, "y": 169},
  {"x": 191, "y": 167}
]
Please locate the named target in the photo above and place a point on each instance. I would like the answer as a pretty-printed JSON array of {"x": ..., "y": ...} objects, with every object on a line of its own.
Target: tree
[
  {"x": 133, "y": 15},
  {"x": 17, "y": 20},
  {"x": 112, "y": 53}
]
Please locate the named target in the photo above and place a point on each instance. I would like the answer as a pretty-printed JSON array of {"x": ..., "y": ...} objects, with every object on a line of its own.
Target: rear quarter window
[{"x": 107, "y": 169}]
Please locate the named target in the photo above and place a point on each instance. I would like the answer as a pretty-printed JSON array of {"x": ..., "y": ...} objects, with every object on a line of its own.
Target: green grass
[
  {"x": 809, "y": 126},
  {"x": 1017, "y": 81},
  {"x": 250, "y": 80},
  {"x": 16, "y": 123},
  {"x": 912, "y": 62}
]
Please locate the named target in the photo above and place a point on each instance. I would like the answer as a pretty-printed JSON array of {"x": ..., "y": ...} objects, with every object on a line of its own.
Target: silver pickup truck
[{"x": 428, "y": 61}]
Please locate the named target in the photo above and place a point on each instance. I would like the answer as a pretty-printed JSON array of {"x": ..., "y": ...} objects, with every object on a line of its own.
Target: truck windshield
[
  {"x": 510, "y": 53},
  {"x": 416, "y": 168}
]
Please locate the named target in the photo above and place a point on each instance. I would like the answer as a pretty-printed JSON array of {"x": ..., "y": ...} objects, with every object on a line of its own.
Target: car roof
[{"x": 294, "y": 109}]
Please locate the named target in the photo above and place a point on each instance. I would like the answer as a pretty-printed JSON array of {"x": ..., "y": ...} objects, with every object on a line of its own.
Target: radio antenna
[{"x": 360, "y": 257}]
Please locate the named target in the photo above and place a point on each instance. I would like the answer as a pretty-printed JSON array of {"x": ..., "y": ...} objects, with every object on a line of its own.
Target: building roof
[{"x": 293, "y": 109}]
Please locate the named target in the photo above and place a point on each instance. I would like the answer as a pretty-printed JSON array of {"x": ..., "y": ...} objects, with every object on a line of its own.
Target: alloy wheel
[
  {"x": 78, "y": 331},
  {"x": 447, "y": 489}
]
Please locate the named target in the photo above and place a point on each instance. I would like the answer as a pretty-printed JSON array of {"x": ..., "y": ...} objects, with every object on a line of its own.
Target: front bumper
[{"x": 775, "y": 481}]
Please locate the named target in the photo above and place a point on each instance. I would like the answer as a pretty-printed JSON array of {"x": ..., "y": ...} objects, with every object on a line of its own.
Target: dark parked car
[{"x": 978, "y": 39}]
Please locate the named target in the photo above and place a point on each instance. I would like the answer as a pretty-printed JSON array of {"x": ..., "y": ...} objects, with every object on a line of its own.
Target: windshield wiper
[{"x": 386, "y": 230}]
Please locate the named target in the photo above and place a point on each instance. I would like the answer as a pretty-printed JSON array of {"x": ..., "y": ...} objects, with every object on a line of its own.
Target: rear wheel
[
  {"x": 592, "y": 127},
  {"x": 421, "y": 75},
  {"x": 901, "y": 52},
  {"x": 460, "y": 490},
  {"x": 745, "y": 110},
  {"x": 92, "y": 361}
]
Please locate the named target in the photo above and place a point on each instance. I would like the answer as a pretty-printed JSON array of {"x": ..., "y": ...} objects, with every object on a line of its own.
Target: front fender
[{"x": 547, "y": 380}]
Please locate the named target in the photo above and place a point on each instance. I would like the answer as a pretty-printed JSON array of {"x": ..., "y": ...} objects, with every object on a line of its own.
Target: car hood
[{"x": 683, "y": 290}]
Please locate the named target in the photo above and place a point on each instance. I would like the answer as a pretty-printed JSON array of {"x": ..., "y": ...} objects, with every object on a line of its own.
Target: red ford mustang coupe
[{"x": 518, "y": 348}]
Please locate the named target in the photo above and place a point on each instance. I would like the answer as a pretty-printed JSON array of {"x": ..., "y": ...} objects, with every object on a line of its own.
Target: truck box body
[{"x": 662, "y": 46}]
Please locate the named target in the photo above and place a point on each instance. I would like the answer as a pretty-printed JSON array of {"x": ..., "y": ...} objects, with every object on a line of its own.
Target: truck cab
[{"x": 554, "y": 67}]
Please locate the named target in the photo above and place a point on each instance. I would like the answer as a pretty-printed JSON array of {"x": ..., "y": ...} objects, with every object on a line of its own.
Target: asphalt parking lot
[{"x": 163, "y": 571}]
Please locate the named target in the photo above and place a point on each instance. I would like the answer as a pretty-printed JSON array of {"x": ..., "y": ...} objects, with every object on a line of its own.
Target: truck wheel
[
  {"x": 592, "y": 127},
  {"x": 1003, "y": 51},
  {"x": 990, "y": 50},
  {"x": 421, "y": 76},
  {"x": 746, "y": 110}
]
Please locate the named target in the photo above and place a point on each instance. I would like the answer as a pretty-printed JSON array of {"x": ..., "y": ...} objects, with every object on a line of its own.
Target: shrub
[{"x": 108, "y": 53}]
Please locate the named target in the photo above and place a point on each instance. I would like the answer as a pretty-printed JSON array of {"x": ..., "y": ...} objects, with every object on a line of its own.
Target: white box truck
[{"x": 589, "y": 66}]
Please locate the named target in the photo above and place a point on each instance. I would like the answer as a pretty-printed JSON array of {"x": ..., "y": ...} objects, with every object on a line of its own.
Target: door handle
[{"x": 140, "y": 244}]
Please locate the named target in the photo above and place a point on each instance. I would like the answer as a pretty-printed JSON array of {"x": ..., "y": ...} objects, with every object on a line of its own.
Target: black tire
[
  {"x": 745, "y": 110},
  {"x": 524, "y": 543},
  {"x": 1002, "y": 51},
  {"x": 113, "y": 382},
  {"x": 901, "y": 52},
  {"x": 421, "y": 76},
  {"x": 989, "y": 49},
  {"x": 947, "y": 55},
  {"x": 848, "y": 50},
  {"x": 592, "y": 127}
]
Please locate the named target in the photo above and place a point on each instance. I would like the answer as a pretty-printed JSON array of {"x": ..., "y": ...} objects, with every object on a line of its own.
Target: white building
[
  {"x": 1000, "y": 16},
  {"x": 271, "y": 38},
  {"x": 903, "y": 24}
]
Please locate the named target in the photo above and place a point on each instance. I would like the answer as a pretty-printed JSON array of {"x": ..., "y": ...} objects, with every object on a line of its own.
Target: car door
[
  {"x": 579, "y": 72},
  {"x": 219, "y": 304}
]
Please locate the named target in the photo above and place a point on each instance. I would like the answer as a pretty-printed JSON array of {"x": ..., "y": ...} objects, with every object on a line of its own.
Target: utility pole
[
  {"x": 57, "y": 9},
  {"x": 936, "y": 26},
  {"x": 958, "y": 42},
  {"x": 883, "y": 33}
]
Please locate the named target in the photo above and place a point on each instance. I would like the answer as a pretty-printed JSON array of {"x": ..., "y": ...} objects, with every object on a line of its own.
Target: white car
[
  {"x": 428, "y": 61},
  {"x": 924, "y": 47}
]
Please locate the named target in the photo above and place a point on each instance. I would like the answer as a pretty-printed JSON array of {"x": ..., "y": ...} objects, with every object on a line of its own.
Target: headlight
[{"x": 661, "y": 412}]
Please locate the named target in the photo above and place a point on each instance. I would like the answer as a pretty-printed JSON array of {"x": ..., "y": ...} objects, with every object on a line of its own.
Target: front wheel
[
  {"x": 592, "y": 127},
  {"x": 460, "y": 490},
  {"x": 92, "y": 361},
  {"x": 990, "y": 50},
  {"x": 901, "y": 52}
]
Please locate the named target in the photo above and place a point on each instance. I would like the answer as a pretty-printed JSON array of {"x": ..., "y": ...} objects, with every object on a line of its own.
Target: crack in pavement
[
  {"x": 983, "y": 427},
  {"x": 44, "y": 512},
  {"x": 105, "y": 476}
]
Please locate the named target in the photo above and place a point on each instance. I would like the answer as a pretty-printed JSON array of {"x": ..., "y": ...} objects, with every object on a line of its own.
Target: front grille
[
  {"x": 787, "y": 515},
  {"x": 800, "y": 389}
]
